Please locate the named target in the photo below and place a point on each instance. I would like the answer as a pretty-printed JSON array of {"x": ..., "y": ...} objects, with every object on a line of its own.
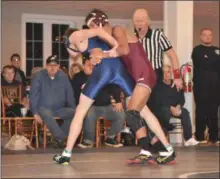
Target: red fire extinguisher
[{"x": 186, "y": 73}]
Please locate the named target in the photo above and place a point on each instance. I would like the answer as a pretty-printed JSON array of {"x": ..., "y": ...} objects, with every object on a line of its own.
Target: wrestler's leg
[
  {"x": 75, "y": 129},
  {"x": 134, "y": 119},
  {"x": 89, "y": 93},
  {"x": 76, "y": 125},
  {"x": 154, "y": 125},
  {"x": 138, "y": 102}
]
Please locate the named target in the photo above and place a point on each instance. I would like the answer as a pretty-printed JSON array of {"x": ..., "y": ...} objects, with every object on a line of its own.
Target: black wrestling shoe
[
  {"x": 166, "y": 158},
  {"x": 62, "y": 160}
]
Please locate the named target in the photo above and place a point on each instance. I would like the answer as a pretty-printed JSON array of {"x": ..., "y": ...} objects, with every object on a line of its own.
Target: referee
[{"x": 155, "y": 43}]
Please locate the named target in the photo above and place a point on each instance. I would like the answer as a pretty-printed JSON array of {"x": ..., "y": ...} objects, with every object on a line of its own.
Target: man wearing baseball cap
[{"x": 51, "y": 95}]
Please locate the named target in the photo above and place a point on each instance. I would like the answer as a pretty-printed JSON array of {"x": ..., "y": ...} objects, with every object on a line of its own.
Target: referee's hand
[{"x": 178, "y": 83}]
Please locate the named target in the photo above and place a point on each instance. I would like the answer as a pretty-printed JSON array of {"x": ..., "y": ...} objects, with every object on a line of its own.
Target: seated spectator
[
  {"x": 102, "y": 107},
  {"x": 16, "y": 63},
  {"x": 74, "y": 69},
  {"x": 13, "y": 109},
  {"x": 167, "y": 101},
  {"x": 34, "y": 71},
  {"x": 51, "y": 95}
]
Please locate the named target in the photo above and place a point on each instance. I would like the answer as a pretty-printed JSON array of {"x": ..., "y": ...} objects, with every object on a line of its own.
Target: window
[
  {"x": 58, "y": 48},
  {"x": 39, "y": 39},
  {"x": 34, "y": 46}
]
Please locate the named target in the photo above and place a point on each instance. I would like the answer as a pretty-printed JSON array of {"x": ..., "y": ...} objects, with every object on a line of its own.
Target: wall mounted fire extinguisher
[{"x": 186, "y": 74}]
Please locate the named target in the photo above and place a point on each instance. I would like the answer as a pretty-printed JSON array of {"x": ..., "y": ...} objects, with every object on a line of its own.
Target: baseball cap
[{"x": 52, "y": 59}]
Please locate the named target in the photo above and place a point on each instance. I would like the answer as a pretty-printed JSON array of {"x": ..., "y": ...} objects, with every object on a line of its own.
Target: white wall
[{"x": 12, "y": 12}]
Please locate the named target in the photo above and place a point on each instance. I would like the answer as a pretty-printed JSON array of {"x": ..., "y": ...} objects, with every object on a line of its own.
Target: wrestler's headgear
[{"x": 98, "y": 17}]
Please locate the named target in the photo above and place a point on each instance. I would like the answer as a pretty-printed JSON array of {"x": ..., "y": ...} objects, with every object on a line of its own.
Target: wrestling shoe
[
  {"x": 142, "y": 159},
  {"x": 166, "y": 158},
  {"x": 59, "y": 159}
]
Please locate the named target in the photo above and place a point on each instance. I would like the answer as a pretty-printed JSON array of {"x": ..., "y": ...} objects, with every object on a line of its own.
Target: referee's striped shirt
[{"x": 154, "y": 43}]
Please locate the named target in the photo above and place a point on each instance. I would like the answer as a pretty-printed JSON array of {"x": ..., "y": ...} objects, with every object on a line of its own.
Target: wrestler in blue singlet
[{"x": 109, "y": 71}]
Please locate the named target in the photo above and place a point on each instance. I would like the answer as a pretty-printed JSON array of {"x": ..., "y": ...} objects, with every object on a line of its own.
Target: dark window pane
[
  {"x": 63, "y": 28},
  {"x": 63, "y": 52},
  {"x": 55, "y": 31},
  {"x": 38, "y": 31},
  {"x": 38, "y": 50},
  {"x": 29, "y": 49},
  {"x": 29, "y": 32},
  {"x": 38, "y": 63},
  {"x": 55, "y": 49},
  {"x": 64, "y": 63},
  {"x": 29, "y": 66}
]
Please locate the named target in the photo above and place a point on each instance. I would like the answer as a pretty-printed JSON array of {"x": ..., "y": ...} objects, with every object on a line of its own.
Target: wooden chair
[
  {"x": 102, "y": 125},
  {"x": 13, "y": 93}
]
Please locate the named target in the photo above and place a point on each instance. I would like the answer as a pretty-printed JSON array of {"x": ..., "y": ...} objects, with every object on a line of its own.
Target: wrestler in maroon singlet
[{"x": 139, "y": 66}]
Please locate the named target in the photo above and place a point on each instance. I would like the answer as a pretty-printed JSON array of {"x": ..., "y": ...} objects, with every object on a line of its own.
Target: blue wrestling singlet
[{"x": 109, "y": 71}]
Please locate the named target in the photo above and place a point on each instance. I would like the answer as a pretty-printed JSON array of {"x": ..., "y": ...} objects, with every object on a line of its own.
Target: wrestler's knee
[{"x": 134, "y": 120}]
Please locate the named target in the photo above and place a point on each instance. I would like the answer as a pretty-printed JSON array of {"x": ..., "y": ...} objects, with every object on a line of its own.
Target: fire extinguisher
[{"x": 186, "y": 74}]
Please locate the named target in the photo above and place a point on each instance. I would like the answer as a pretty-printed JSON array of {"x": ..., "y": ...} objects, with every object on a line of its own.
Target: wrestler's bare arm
[
  {"x": 119, "y": 33},
  {"x": 85, "y": 34}
]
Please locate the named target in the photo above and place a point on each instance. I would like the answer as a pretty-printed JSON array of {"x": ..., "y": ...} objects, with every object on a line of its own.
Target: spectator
[
  {"x": 155, "y": 43},
  {"x": 16, "y": 63},
  {"x": 206, "y": 78},
  {"x": 51, "y": 95},
  {"x": 168, "y": 102},
  {"x": 34, "y": 71},
  {"x": 13, "y": 109},
  {"x": 74, "y": 69},
  {"x": 102, "y": 107}
]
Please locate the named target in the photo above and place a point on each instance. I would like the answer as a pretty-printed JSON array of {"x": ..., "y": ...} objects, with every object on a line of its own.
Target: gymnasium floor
[{"x": 193, "y": 162}]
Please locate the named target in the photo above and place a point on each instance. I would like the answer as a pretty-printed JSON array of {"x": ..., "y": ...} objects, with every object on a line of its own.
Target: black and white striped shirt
[{"x": 155, "y": 43}]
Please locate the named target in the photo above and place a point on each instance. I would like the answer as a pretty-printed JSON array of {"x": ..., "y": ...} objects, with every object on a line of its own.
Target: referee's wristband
[{"x": 176, "y": 74}]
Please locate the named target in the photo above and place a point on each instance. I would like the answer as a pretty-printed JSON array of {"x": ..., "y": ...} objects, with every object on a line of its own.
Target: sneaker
[
  {"x": 113, "y": 143},
  {"x": 85, "y": 145},
  {"x": 166, "y": 158},
  {"x": 191, "y": 142},
  {"x": 217, "y": 142},
  {"x": 142, "y": 159},
  {"x": 59, "y": 159}
]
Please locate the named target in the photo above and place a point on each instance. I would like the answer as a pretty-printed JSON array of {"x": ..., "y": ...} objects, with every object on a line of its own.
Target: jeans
[
  {"x": 89, "y": 125},
  {"x": 66, "y": 114}
]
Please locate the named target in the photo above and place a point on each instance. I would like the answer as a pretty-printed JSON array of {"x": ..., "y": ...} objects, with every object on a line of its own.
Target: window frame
[
  {"x": 74, "y": 21},
  {"x": 47, "y": 21}
]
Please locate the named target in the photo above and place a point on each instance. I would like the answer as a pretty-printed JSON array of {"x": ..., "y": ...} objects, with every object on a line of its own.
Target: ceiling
[{"x": 115, "y": 9}]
